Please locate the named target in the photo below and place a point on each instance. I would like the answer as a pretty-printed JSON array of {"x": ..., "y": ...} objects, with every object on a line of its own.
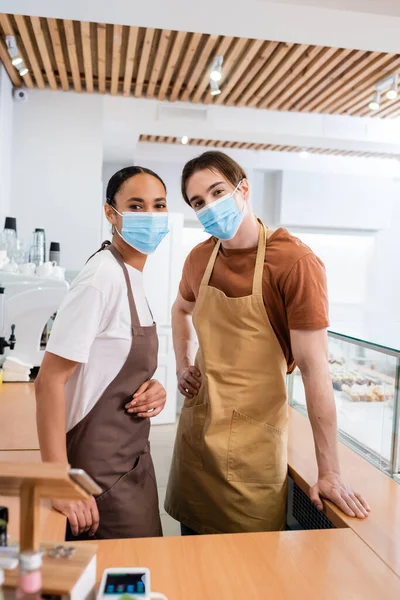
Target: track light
[
  {"x": 216, "y": 69},
  {"x": 304, "y": 154},
  {"x": 17, "y": 61},
  {"x": 389, "y": 86},
  {"x": 392, "y": 93},
  {"x": 184, "y": 140},
  {"x": 214, "y": 88},
  {"x": 375, "y": 103},
  {"x": 24, "y": 72}
]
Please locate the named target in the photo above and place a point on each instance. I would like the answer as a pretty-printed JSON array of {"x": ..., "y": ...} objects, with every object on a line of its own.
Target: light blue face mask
[
  {"x": 222, "y": 218},
  {"x": 143, "y": 231}
]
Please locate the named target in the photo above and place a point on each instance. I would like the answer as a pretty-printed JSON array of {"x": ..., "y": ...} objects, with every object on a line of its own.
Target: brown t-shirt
[{"x": 294, "y": 282}]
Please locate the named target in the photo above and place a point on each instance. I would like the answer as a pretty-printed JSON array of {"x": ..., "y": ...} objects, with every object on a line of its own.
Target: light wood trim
[
  {"x": 144, "y": 59},
  {"x": 187, "y": 61},
  {"x": 29, "y": 533},
  {"x": 324, "y": 66},
  {"x": 26, "y": 40},
  {"x": 116, "y": 58},
  {"x": 158, "y": 61},
  {"x": 294, "y": 54},
  {"x": 130, "y": 60},
  {"x": 239, "y": 72},
  {"x": 58, "y": 53},
  {"x": 204, "y": 82},
  {"x": 73, "y": 58},
  {"x": 230, "y": 63},
  {"x": 365, "y": 92},
  {"x": 333, "y": 76},
  {"x": 367, "y": 72},
  {"x": 8, "y": 30},
  {"x": 265, "y": 73},
  {"x": 87, "y": 55},
  {"x": 171, "y": 65},
  {"x": 348, "y": 79},
  {"x": 41, "y": 42},
  {"x": 11, "y": 70},
  {"x": 275, "y": 95},
  {"x": 101, "y": 57},
  {"x": 203, "y": 60}
]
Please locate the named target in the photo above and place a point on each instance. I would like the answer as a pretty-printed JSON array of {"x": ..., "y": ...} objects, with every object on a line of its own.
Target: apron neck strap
[
  {"x": 263, "y": 238},
  {"x": 211, "y": 262},
  {"x": 132, "y": 306},
  {"x": 259, "y": 268}
]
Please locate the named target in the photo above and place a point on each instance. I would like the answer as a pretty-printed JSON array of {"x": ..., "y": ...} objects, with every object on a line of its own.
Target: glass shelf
[{"x": 365, "y": 379}]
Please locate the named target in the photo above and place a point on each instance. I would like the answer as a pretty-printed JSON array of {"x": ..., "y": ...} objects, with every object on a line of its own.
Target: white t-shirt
[{"x": 93, "y": 328}]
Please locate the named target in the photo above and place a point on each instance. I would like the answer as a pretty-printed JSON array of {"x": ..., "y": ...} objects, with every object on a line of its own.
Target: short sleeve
[
  {"x": 78, "y": 322},
  {"x": 306, "y": 295},
  {"x": 186, "y": 286}
]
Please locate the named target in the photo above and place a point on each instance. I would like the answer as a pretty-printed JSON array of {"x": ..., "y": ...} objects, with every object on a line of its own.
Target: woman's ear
[
  {"x": 110, "y": 214},
  {"x": 245, "y": 189}
]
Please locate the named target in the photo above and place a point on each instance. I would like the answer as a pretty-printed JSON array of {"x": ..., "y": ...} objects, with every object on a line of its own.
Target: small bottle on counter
[
  {"x": 3, "y": 525},
  {"x": 55, "y": 252},
  {"x": 30, "y": 576},
  {"x": 10, "y": 236}
]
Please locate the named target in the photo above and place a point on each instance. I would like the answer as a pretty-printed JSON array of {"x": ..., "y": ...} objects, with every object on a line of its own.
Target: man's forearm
[
  {"x": 50, "y": 418},
  {"x": 184, "y": 337},
  {"x": 322, "y": 413}
]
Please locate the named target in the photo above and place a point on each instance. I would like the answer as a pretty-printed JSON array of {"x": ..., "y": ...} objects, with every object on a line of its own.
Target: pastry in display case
[{"x": 365, "y": 382}]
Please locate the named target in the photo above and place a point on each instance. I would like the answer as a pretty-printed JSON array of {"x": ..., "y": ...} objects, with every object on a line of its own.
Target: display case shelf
[{"x": 365, "y": 378}]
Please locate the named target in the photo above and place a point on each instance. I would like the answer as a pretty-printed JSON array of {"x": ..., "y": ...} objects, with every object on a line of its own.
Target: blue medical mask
[
  {"x": 222, "y": 218},
  {"x": 143, "y": 231}
]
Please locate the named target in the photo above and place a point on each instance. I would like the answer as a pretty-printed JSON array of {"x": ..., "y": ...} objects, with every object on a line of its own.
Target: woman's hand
[
  {"x": 189, "y": 381},
  {"x": 148, "y": 401},
  {"x": 83, "y": 515}
]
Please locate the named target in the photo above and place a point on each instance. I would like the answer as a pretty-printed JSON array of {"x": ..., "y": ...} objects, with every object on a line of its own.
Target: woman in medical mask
[
  {"x": 95, "y": 391},
  {"x": 258, "y": 302}
]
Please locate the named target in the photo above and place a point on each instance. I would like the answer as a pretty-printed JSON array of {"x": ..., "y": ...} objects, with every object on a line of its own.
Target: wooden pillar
[{"x": 29, "y": 527}]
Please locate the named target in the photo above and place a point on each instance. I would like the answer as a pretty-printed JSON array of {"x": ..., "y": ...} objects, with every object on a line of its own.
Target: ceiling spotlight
[
  {"x": 216, "y": 69},
  {"x": 375, "y": 103},
  {"x": 214, "y": 88},
  {"x": 184, "y": 140},
  {"x": 392, "y": 93},
  {"x": 17, "y": 61},
  {"x": 24, "y": 72},
  {"x": 304, "y": 154}
]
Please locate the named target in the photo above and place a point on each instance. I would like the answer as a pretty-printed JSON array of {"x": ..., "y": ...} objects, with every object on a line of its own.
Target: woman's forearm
[{"x": 50, "y": 419}]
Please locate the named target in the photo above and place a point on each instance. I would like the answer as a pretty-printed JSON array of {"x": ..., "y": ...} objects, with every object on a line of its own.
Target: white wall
[
  {"x": 56, "y": 171},
  {"x": 6, "y": 135}
]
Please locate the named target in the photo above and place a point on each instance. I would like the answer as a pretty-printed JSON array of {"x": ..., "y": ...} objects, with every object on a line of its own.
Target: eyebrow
[
  {"x": 141, "y": 201},
  {"x": 211, "y": 187}
]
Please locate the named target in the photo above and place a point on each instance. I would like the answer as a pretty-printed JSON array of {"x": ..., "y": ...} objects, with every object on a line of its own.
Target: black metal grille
[{"x": 306, "y": 514}]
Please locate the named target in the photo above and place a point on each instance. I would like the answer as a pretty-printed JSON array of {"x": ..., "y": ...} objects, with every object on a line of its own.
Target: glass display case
[{"x": 365, "y": 379}]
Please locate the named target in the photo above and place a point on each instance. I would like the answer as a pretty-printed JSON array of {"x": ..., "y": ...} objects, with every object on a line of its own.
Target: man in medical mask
[{"x": 258, "y": 302}]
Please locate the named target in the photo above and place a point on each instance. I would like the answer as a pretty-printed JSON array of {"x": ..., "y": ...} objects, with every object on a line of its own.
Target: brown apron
[
  {"x": 112, "y": 445},
  {"x": 229, "y": 470}
]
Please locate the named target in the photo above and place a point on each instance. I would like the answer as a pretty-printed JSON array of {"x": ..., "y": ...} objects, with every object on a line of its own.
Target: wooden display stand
[{"x": 32, "y": 482}]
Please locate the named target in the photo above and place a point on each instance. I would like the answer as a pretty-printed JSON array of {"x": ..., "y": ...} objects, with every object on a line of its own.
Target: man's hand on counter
[
  {"x": 330, "y": 487},
  {"x": 83, "y": 516}
]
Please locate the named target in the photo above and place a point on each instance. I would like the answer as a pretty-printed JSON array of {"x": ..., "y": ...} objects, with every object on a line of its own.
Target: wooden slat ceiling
[
  {"x": 174, "y": 66},
  {"x": 159, "y": 139}
]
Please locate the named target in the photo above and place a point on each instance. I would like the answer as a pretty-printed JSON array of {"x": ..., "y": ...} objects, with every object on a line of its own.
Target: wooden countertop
[
  {"x": 380, "y": 531},
  {"x": 301, "y": 565}
]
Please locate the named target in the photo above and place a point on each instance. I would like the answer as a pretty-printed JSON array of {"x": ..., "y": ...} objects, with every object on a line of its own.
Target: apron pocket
[
  {"x": 190, "y": 438},
  {"x": 257, "y": 451},
  {"x": 136, "y": 470}
]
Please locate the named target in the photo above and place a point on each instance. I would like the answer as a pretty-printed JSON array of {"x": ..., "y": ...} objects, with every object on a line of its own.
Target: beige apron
[{"x": 229, "y": 470}]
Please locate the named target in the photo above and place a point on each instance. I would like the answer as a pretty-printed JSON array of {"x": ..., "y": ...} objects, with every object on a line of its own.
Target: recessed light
[{"x": 184, "y": 140}]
